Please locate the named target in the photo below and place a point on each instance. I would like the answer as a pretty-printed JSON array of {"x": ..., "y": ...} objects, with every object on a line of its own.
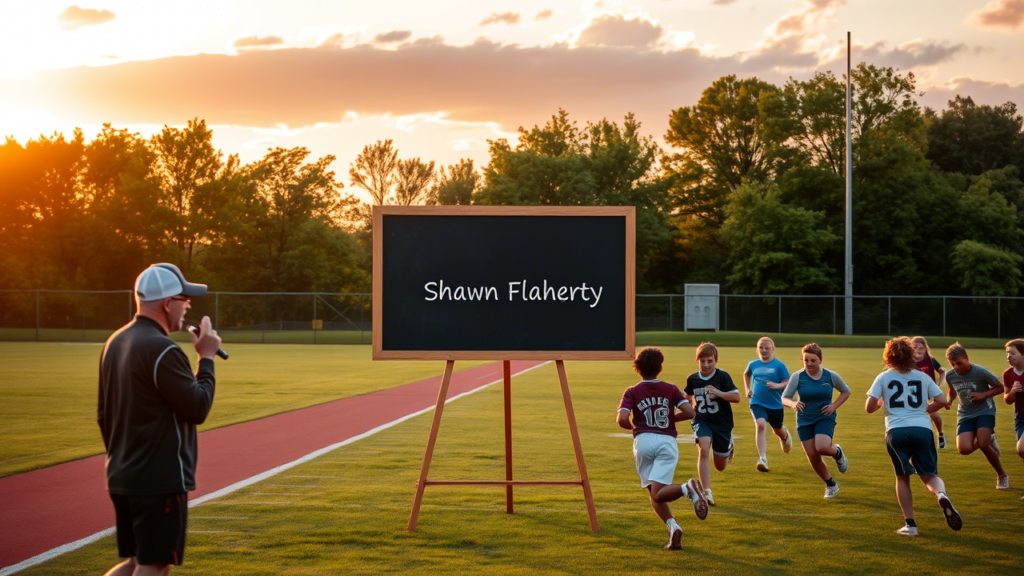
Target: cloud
[
  {"x": 543, "y": 15},
  {"x": 74, "y": 17},
  {"x": 332, "y": 41},
  {"x": 1000, "y": 14},
  {"x": 393, "y": 36},
  {"x": 981, "y": 91},
  {"x": 913, "y": 54},
  {"x": 504, "y": 18},
  {"x": 257, "y": 41},
  {"x": 616, "y": 30},
  {"x": 722, "y": 2}
]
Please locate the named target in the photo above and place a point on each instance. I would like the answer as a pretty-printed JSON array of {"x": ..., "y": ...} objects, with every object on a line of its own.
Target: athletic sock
[
  {"x": 830, "y": 482},
  {"x": 672, "y": 525},
  {"x": 911, "y": 523},
  {"x": 839, "y": 453},
  {"x": 686, "y": 490}
]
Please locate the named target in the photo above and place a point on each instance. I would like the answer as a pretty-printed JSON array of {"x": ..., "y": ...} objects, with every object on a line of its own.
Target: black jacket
[{"x": 149, "y": 406}]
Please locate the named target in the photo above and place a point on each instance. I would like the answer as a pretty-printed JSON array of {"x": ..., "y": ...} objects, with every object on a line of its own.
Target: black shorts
[
  {"x": 151, "y": 529},
  {"x": 912, "y": 450}
]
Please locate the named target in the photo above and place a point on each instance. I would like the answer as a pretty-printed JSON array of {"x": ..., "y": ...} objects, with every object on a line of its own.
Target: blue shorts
[
  {"x": 774, "y": 417},
  {"x": 1018, "y": 425},
  {"x": 721, "y": 443},
  {"x": 972, "y": 424},
  {"x": 809, "y": 431},
  {"x": 912, "y": 450}
]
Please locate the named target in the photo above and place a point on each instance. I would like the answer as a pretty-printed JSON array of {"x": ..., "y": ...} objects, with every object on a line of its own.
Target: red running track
[{"x": 43, "y": 509}]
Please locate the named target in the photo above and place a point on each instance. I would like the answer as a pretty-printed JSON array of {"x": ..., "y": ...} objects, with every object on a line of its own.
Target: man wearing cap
[{"x": 149, "y": 406}]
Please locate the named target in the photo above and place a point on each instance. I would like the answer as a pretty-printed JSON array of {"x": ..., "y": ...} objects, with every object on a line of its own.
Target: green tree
[
  {"x": 723, "y": 139},
  {"x": 775, "y": 248},
  {"x": 456, "y": 186},
  {"x": 412, "y": 181},
  {"x": 972, "y": 139},
  {"x": 984, "y": 270}
]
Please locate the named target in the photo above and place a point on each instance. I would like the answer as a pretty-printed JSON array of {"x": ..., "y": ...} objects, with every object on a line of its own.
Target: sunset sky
[{"x": 443, "y": 77}]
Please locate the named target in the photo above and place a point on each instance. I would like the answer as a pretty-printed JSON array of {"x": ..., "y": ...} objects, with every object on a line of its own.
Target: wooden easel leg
[
  {"x": 577, "y": 446},
  {"x": 442, "y": 395},
  {"x": 508, "y": 434}
]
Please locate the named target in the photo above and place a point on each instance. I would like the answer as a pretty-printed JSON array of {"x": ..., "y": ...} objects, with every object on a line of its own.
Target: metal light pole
[{"x": 848, "y": 325}]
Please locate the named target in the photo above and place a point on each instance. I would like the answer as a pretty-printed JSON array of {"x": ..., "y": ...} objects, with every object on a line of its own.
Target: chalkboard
[{"x": 461, "y": 282}]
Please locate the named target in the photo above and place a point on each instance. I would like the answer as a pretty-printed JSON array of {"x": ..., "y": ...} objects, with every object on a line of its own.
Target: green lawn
[
  {"x": 48, "y": 412},
  {"x": 345, "y": 512}
]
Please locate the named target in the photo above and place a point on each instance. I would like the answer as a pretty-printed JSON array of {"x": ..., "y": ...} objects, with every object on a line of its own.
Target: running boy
[
  {"x": 769, "y": 377},
  {"x": 816, "y": 414},
  {"x": 903, "y": 391},
  {"x": 711, "y": 391},
  {"x": 652, "y": 404},
  {"x": 925, "y": 362},
  {"x": 1013, "y": 379},
  {"x": 975, "y": 386}
]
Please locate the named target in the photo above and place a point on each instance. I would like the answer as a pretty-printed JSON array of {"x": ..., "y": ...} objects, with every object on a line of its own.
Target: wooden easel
[{"x": 508, "y": 482}]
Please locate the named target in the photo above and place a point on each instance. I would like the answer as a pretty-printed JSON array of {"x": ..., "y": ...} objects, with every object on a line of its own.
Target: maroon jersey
[
  {"x": 653, "y": 404},
  {"x": 1009, "y": 379},
  {"x": 928, "y": 365}
]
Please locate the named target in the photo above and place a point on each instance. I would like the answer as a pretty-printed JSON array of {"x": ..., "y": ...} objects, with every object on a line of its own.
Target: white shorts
[{"x": 656, "y": 458}]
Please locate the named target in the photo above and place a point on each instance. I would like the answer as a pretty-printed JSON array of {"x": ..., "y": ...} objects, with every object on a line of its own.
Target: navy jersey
[{"x": 712, "y": 412}]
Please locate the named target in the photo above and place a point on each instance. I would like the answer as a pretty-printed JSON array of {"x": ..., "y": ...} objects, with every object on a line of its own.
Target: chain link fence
[{"x": 340, "y": 318}]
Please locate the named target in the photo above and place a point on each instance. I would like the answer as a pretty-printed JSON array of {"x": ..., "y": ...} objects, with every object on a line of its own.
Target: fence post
[
  {"x": 833, "y": 315},
  {"x": 943, "y": 315},
  {"x": 999, "y": 316},
  {"x": 263, "y": 318},
  {"x": 780, "y": 314},
  {"x": 670, "y": 313},
  {"x": 37, "y": 315},
  {"x": 725, "y": 326},
  {"x": 888, "y": 327},
  {"x": 314, "y": 317}
]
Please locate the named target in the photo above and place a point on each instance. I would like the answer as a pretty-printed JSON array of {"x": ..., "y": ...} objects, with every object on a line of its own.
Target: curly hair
[
  {"x": 812, "y": 348},
  {"x": 707, "y": 349},
  {"x": 648, "y": 362},
  {"x": 899, "y": 354}
]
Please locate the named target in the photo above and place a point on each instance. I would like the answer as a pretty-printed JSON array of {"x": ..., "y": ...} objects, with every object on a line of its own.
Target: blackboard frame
[{"x": 628, "y": 213}]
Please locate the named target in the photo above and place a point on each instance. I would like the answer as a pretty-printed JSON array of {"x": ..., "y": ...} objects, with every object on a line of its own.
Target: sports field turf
[{"x": 345, "y": 513}]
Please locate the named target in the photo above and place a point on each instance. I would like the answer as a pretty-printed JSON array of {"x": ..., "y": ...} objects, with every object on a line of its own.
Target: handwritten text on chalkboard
[{"x": 516, "y": 290}]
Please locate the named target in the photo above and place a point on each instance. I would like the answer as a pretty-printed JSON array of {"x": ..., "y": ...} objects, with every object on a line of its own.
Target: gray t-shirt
[{"x": 977, "y": 379}]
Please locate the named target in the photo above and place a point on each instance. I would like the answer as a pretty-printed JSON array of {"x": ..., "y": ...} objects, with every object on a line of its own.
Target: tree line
[{"x": 749, "y": 194}]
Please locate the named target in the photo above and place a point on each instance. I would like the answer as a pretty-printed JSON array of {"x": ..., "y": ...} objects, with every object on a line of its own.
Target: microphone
[{"x": 195, "y": 330}]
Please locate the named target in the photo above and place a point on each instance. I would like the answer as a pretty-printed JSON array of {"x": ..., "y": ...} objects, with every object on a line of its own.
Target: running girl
[
  {"x": 908, "y": 395},
  {"x": 925, "y": 362},
  {"x": 816, "y": 414},
  {"x": 764, "y": 380}
]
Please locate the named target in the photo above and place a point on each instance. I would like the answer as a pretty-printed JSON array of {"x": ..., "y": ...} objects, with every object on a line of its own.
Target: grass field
[
  {"x": 345, "y": 512},
  {"x": 48, "y": 412}
]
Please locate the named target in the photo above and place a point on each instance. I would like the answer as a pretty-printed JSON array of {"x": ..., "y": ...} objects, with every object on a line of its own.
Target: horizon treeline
[{"x": 750, "y": 195}]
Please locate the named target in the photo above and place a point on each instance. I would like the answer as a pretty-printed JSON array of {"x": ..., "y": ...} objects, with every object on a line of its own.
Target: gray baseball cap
[{"x": 164, "y": 280}]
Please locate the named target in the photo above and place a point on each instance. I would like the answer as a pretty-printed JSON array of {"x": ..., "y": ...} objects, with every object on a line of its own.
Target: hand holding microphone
[{"x": 206, "y": 340}]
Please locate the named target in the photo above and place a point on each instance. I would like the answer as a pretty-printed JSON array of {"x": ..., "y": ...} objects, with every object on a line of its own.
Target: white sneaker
[
  {"x": 675, "y": 539},
  {"x": 907, "y": 531},
  {"x": 787, "y": 444},
  {"x": 762, "y": 464},
  {"x": 842, "y": 462},
  {"x": 1003, "y": 483},
  {"x": 708, "y": 497},
  {"x": 831, "y": 491},
  {"x": 696, "y": 495}
]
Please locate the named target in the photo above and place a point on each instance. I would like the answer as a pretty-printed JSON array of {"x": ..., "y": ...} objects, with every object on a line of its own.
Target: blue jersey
[
  {"x": 760, "y": 374},
  {"x": 815, "y": 394}
]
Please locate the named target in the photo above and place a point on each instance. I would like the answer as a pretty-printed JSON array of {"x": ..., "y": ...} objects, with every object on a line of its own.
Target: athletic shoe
[
  {"x": 995, "y": 446},
  {"x": 952, "y": 516},
  {"x": 708, "y": 497},
  {"x": 1003, "y": 483},
  {"x": 762, "y": 464},
  {"x": 700, "y": 504},
  {"x": 842, "y": 462},
  {"x": 787, "y": 443},
  {"x": 907, "y": 531},
  {"x": 831, "y": 491},
  {"x": 942, "y": 440},
  {"x": 675, "y": 539}
]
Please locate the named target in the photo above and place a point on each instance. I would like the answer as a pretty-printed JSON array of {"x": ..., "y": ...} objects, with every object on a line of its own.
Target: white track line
[{"x": 53, "y": 553}]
